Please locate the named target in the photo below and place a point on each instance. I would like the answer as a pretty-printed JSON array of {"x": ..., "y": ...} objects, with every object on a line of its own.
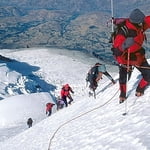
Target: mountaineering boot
[
  {"x": 122, "y": 99},
  {"x": 141, "y": 87},
  {"x": 70, "y": 101},
  {"x": 113, "y": 81},
  {"x": 122, "y": 93},
  {"x": 90, "y": 93},
  {"x": 138, "y": 94}
]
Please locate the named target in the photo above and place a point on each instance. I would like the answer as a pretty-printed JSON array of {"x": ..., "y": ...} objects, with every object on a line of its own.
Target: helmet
[
  {"x": 136, "y": 16},
  {"x": 97, "y": 64},
  {"x": 67, "y": 85}
]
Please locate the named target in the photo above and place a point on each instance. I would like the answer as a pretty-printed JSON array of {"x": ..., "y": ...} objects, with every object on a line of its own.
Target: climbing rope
[
  {"x": 143, "y": 67},
  {"x": 54, "y": 134}
]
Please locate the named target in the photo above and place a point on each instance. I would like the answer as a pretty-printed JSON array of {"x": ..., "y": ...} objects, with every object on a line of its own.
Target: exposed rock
[{"x": 80, "y": 25}]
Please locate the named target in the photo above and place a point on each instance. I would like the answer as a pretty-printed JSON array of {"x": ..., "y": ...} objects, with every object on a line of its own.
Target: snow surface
[{"x": 36, "y": 76}]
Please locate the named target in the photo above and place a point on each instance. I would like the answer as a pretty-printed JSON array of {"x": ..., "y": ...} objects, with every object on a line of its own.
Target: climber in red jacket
[
  {"x": 49, "y": 108},
  {"x": 65, "y": 93},
  {"x": 128, "y": 51}
]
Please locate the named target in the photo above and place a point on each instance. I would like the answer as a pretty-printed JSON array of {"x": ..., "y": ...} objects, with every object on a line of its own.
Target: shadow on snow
[{"x": 27, "y": 70}]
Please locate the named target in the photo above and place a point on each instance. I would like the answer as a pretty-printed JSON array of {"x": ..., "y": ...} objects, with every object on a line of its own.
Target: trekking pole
[
  {"x": 128, "y": 69},
  {"x": 112, "y": 17}
]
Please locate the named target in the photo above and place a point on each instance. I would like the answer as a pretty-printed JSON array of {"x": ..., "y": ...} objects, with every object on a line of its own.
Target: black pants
[
  {"x": 29, "y": 125},
  {"x": 64, "y": 98},
  {"x": 49, "y": 112},
  {"x": 145, "y": 72},
  {"x": 93, "y": 84}
]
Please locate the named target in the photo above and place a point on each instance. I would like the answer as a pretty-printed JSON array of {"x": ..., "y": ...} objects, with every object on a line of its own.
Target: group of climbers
[
  {"x": 127, "y": 49},
  {"x": 93, "y": 76},
  {"x": 127, "y": 41},
  {"x": 62, "y": 100}
]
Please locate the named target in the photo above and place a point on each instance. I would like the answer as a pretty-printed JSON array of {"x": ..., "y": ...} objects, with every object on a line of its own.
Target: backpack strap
[
  {"x": 125, "y": 30},
  {"x": 120, "y": 28}
]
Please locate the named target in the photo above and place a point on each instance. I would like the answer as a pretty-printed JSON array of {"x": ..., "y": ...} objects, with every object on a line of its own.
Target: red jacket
[
  {"x": 135, "y": 47},
  {"x": 65, "y": 91},
  {"x": 49, "y": 106}
]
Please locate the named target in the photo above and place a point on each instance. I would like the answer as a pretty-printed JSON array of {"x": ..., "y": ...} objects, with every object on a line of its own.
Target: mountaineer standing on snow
[
  {"x": 128, "y": 51},
  {"x": 29, "y": 122},
  {"x": 49, "y": 108},
  {"x": 65, "y": 93},
  {"x": 60, "y": 103},
  {"x": 95, "y": 74}
]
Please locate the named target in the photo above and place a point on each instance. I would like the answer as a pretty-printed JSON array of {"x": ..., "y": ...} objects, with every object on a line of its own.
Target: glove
[
  {"x": 72, "y": 92},
  {"x": 127, "y": 43},
  {"x": 116, "y": 52}
]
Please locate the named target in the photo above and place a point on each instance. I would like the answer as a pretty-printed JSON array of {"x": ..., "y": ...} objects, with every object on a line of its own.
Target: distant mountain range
[{"x": 71, "y": 24}]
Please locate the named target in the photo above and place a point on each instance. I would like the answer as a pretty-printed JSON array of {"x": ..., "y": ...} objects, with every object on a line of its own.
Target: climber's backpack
[
  {"x": 92, "y": 74},
  {"x": 119, "y": 27}
]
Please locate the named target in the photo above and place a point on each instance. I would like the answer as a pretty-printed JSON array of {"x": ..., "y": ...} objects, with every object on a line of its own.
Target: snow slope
[{"x": 87, "y": 124}]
